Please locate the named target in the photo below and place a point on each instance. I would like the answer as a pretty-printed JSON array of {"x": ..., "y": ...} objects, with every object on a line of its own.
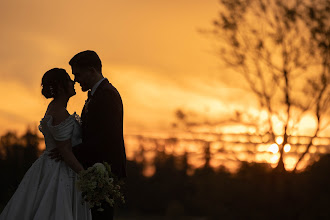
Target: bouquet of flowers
[{"x": 98, "y": 185}]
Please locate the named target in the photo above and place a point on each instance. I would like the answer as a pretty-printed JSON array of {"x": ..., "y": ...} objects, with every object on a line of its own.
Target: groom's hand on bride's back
[{"x": 54, "y": 154}]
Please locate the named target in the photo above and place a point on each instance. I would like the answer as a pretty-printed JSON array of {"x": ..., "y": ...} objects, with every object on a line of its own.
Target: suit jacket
[{"x": 102, "y": 130}]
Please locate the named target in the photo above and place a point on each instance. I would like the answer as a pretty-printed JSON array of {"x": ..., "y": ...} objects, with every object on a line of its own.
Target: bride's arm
[{"x": 65, "y": 150}]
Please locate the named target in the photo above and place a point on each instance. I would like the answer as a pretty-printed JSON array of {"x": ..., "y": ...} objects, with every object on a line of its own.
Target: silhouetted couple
[{"x": 47, "y": 191}]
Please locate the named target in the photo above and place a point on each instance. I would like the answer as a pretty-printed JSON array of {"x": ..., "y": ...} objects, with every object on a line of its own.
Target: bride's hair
[{"x": 52, "y": 80}]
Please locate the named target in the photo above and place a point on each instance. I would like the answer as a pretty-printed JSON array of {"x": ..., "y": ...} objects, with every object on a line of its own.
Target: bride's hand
[{"x": 55, "y": 155}]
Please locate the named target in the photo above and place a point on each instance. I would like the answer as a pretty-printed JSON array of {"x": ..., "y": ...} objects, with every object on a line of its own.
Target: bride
[{"x": 48, "y": 190}]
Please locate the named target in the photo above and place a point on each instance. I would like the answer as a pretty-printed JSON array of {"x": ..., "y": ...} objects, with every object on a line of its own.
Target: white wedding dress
[{"x": 47, "y": 191}]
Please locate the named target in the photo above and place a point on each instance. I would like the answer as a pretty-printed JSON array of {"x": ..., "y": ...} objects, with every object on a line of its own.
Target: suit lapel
[{"x": 90, "y": 101}]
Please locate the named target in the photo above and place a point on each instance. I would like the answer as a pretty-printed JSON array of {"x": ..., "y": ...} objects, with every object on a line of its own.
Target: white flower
[
  {"x": 100, "y": 168},
  {"x": 98, "y": 185}
]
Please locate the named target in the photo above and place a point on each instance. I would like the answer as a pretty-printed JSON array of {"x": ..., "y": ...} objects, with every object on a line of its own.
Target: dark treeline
[
  {"x": 16, "y": 156},
  {"x": 256, "y": 191}
]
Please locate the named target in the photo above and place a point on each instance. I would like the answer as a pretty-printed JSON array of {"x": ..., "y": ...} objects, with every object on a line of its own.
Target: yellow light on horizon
[
  {"x": 279, "y": 140},
  {"x": 312, "y": 149},
  {"x": 290, "y": 163},
  {"x": 149, "y": 171},
  {"x": 274, "y": 159},
  {"x": 287, "y": 148},
  {"x": 273, "y": 148}
]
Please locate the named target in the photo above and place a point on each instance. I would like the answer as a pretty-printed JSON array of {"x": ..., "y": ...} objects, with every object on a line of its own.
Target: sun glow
[
  {"x": 287, "y": 148},
  {"x": 274, "y": 159},
  {"x": 279, "y": 140},
  {"x": 312, "y": 149},
  {"x": 273, "y": 148},
  {"x": 290, "y": 162}
]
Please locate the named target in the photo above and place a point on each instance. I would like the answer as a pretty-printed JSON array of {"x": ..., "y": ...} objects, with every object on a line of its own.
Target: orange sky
[{"x": 151, "y": 51}]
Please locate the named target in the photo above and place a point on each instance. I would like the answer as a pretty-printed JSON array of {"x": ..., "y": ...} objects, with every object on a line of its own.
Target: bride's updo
[{"x": 52, "y": 80}]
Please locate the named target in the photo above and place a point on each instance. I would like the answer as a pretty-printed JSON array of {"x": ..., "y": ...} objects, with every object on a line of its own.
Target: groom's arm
[{"x": 88, "y": 152}]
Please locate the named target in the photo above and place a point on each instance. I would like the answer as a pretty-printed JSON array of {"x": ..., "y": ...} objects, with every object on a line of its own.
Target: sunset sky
[{"x": 151, "y": 51}]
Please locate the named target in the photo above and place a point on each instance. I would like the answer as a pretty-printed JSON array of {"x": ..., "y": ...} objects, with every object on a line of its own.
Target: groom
[{"x": 102, "y": 121}]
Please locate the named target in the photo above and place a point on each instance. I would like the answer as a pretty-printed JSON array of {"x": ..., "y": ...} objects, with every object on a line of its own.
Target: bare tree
[
  {"x": 317, "y": 15},
  {"x": 281, "y": 49}
]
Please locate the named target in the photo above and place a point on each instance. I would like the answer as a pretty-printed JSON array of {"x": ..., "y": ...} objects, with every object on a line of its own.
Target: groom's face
[{"x": 83, "y": 77}]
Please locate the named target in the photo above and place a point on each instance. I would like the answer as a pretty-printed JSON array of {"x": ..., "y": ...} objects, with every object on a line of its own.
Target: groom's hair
[{"x": 85, "y": 59}]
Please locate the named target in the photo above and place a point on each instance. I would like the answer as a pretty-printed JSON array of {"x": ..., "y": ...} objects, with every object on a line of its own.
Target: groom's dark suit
[{"x": 102, "y": 130}]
